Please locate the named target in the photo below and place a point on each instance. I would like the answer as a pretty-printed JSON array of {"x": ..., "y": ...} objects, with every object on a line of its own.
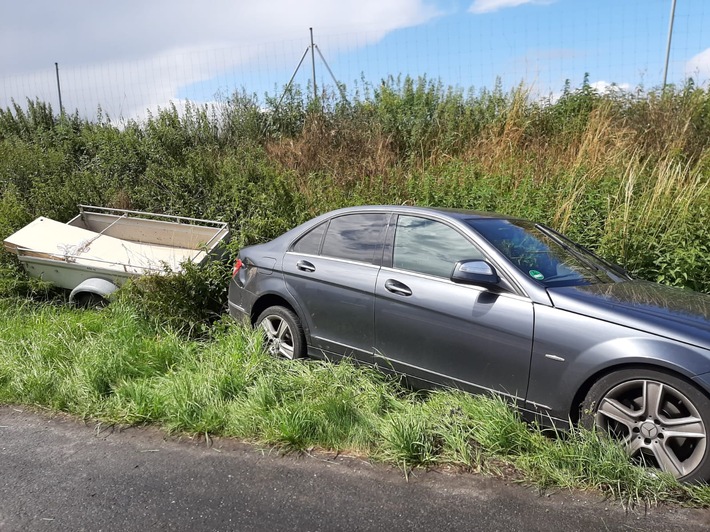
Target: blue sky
[
  {"x": 541, "y": 44},
  {"x": 134, "y": 55}
]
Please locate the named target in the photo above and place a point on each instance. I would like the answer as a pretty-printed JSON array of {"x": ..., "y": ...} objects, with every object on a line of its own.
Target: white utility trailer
[{"x": 100, "y": 248}]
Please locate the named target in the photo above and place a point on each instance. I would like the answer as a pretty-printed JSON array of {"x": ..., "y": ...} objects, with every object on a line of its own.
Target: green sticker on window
[{"x": 536, "y": 275}]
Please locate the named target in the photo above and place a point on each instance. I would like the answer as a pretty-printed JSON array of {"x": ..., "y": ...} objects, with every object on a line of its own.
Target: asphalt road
[{"x": 59, "y": 474}]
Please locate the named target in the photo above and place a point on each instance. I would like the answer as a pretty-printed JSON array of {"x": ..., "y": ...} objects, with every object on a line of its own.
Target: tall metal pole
[
  {"x": 313, "y": 48},
  {"x": 668, "y": 47},
  {"x": 59, "y": 89},
  {"x": 313, "y": 65}
]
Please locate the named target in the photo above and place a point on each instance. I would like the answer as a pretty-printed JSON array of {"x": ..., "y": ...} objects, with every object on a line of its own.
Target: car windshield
[{"x": 544, "y": 255}]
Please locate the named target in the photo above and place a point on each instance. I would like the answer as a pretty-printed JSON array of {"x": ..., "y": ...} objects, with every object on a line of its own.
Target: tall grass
[
  {"x": 115, "y": 367},
  {"x": 626, "y": 174}
]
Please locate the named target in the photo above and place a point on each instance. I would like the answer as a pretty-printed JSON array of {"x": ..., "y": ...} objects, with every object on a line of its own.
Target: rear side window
[
  {"x": 310, "y": 242},
  {"x": 355, "y": 236}
]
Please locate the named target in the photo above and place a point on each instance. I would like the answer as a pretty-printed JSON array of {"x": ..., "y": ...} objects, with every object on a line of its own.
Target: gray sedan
[{"x": 488, "y": 303}]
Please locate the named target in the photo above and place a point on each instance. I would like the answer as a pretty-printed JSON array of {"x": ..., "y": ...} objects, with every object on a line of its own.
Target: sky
[{"x": 130, "y": 56}]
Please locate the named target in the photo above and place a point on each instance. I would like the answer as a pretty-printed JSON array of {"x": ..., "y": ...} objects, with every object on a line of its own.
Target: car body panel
[
  {"x": 463, "y": 332},
  {"x": 702, "y": 381},
  {"x": 570, "y": 349},
  {"x": 339, "y": 297},
  {"x": 666, "y": 311}
]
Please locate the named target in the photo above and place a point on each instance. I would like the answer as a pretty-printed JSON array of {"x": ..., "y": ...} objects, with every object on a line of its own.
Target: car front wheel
[
  {"x": 662, "y": 420},
  {"x": 283, "y": 334}
]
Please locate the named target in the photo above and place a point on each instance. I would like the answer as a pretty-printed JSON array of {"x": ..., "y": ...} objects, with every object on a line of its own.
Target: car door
[
  {"x": 331, "y": 272},
  {"x": 448, "y": 333}
]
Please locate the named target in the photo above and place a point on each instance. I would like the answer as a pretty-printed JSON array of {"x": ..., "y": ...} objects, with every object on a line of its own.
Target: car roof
[{"x": 461, "y": 214}]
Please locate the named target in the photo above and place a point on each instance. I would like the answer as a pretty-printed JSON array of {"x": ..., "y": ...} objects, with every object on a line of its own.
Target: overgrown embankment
[
  {"x": 626, "y": 175},
  {"x": 114, "y": 366}
]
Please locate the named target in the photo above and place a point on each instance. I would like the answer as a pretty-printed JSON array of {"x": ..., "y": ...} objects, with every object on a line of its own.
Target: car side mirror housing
[{"x": 477, "y": 272}]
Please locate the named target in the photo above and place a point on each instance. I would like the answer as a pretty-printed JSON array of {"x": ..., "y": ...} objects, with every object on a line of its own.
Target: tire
[
  {"x": 89, "y": 300},
  {"x": 662, "y": 420},
  {"x": 283, "y": 333}
]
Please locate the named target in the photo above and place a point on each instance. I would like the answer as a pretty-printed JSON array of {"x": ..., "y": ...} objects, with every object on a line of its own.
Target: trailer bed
[
  {"x": 113, "y": 245},
  {"x": 46, "y": 238}
]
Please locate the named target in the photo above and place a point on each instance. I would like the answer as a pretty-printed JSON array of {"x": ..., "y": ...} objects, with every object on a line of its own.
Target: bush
[
  {"x": 625, "y": 174},
  {"x": 187, "y": 302}
]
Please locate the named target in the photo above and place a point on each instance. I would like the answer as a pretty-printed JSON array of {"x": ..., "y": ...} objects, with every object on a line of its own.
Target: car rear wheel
[
  {"x": 662, "y": 420},
  {"x": 283, "y": 334}
]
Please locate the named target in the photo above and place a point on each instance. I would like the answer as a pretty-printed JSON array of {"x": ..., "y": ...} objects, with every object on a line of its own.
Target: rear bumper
[{"x": 238, "y": 313}]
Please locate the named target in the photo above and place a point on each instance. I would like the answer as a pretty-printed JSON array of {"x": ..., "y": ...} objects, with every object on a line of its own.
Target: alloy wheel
[
  {"x": 657, "y": 423},
  {"x": 278, "y": 336}
]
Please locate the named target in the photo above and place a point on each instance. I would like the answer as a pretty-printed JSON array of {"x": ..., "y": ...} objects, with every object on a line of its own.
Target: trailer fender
[{"x": 92, "y": 292}]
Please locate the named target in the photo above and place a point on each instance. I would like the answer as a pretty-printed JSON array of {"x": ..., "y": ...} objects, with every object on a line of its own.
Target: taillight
[{"x": 237, "y": 266}]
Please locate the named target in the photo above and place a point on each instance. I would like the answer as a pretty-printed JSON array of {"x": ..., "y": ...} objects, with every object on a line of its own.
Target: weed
[{"x": 626, "y": 175}]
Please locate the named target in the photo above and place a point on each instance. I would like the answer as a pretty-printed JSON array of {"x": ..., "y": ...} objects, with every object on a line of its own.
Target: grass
[{"x": 113, "y": 366}]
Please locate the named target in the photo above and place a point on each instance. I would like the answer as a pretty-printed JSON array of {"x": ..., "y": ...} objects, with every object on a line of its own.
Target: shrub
[{"x": 187, "y": 302}]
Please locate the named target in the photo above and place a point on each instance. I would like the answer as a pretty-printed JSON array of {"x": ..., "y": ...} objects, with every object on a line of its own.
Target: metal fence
[{"x": 624, "y": 46}]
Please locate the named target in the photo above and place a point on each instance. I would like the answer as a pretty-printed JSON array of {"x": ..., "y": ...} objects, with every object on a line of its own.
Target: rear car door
[
  {"x": 331, "y": 272},
  {"x": 448, "y": 333}
]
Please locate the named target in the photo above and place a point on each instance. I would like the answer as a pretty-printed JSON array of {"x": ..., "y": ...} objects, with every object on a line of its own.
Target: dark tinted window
[
  {"x": 354, "y": 236},
  {"x": 431, "y": 247},
  {"x": 310, "y": 242}
]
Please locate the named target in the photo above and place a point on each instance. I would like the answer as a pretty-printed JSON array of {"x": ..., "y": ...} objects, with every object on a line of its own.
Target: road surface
[{"x": 60, "y": 474}]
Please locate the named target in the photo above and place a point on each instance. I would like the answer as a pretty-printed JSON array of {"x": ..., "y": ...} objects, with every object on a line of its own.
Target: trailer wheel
[{"x": 89, "y": 300}]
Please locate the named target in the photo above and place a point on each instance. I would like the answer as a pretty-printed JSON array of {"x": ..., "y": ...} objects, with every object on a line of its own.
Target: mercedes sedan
[{"x": 489, "y": 303}]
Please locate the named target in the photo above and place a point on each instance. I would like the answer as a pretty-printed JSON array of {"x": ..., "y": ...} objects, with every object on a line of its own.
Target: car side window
[
  {"x": 310, "y": 242},
  {"x": 355, "y": 236},
  {"x": 427, "y": 246}
]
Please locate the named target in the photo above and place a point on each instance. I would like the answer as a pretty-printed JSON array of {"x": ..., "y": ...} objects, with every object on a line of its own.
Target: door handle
[
  {"x": 397, "y": 288},
  {"x": 305, "y": 266}
]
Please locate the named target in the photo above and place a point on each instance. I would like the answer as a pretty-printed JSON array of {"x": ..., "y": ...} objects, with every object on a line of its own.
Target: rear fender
[{"x": 273, "y": 288}]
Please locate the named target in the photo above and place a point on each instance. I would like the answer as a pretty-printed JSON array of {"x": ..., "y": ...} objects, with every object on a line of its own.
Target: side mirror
[{"x": 477, "y": 272}]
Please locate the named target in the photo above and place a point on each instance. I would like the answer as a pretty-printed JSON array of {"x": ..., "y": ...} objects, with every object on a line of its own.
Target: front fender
[{"x": 570, "y": 350}]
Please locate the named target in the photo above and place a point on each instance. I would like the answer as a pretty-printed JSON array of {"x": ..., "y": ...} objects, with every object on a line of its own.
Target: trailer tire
[{"x": 89, "y": 300}]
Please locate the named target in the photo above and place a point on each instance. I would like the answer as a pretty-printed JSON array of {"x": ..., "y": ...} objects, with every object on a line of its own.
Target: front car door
[{"x": 443, "y": 332}]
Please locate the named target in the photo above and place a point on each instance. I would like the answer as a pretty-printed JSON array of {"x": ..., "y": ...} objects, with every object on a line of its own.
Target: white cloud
[
  {"x": 604, "y": 87},
  {"x": 37, "y": 33},
  {"x": 123, "y": 89},
  {"x": 488, "y": 6},
  {"x": 699, "y": 65},
  {"x": 601, "y": 86},
  {"x": 135, "y": 54}
]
